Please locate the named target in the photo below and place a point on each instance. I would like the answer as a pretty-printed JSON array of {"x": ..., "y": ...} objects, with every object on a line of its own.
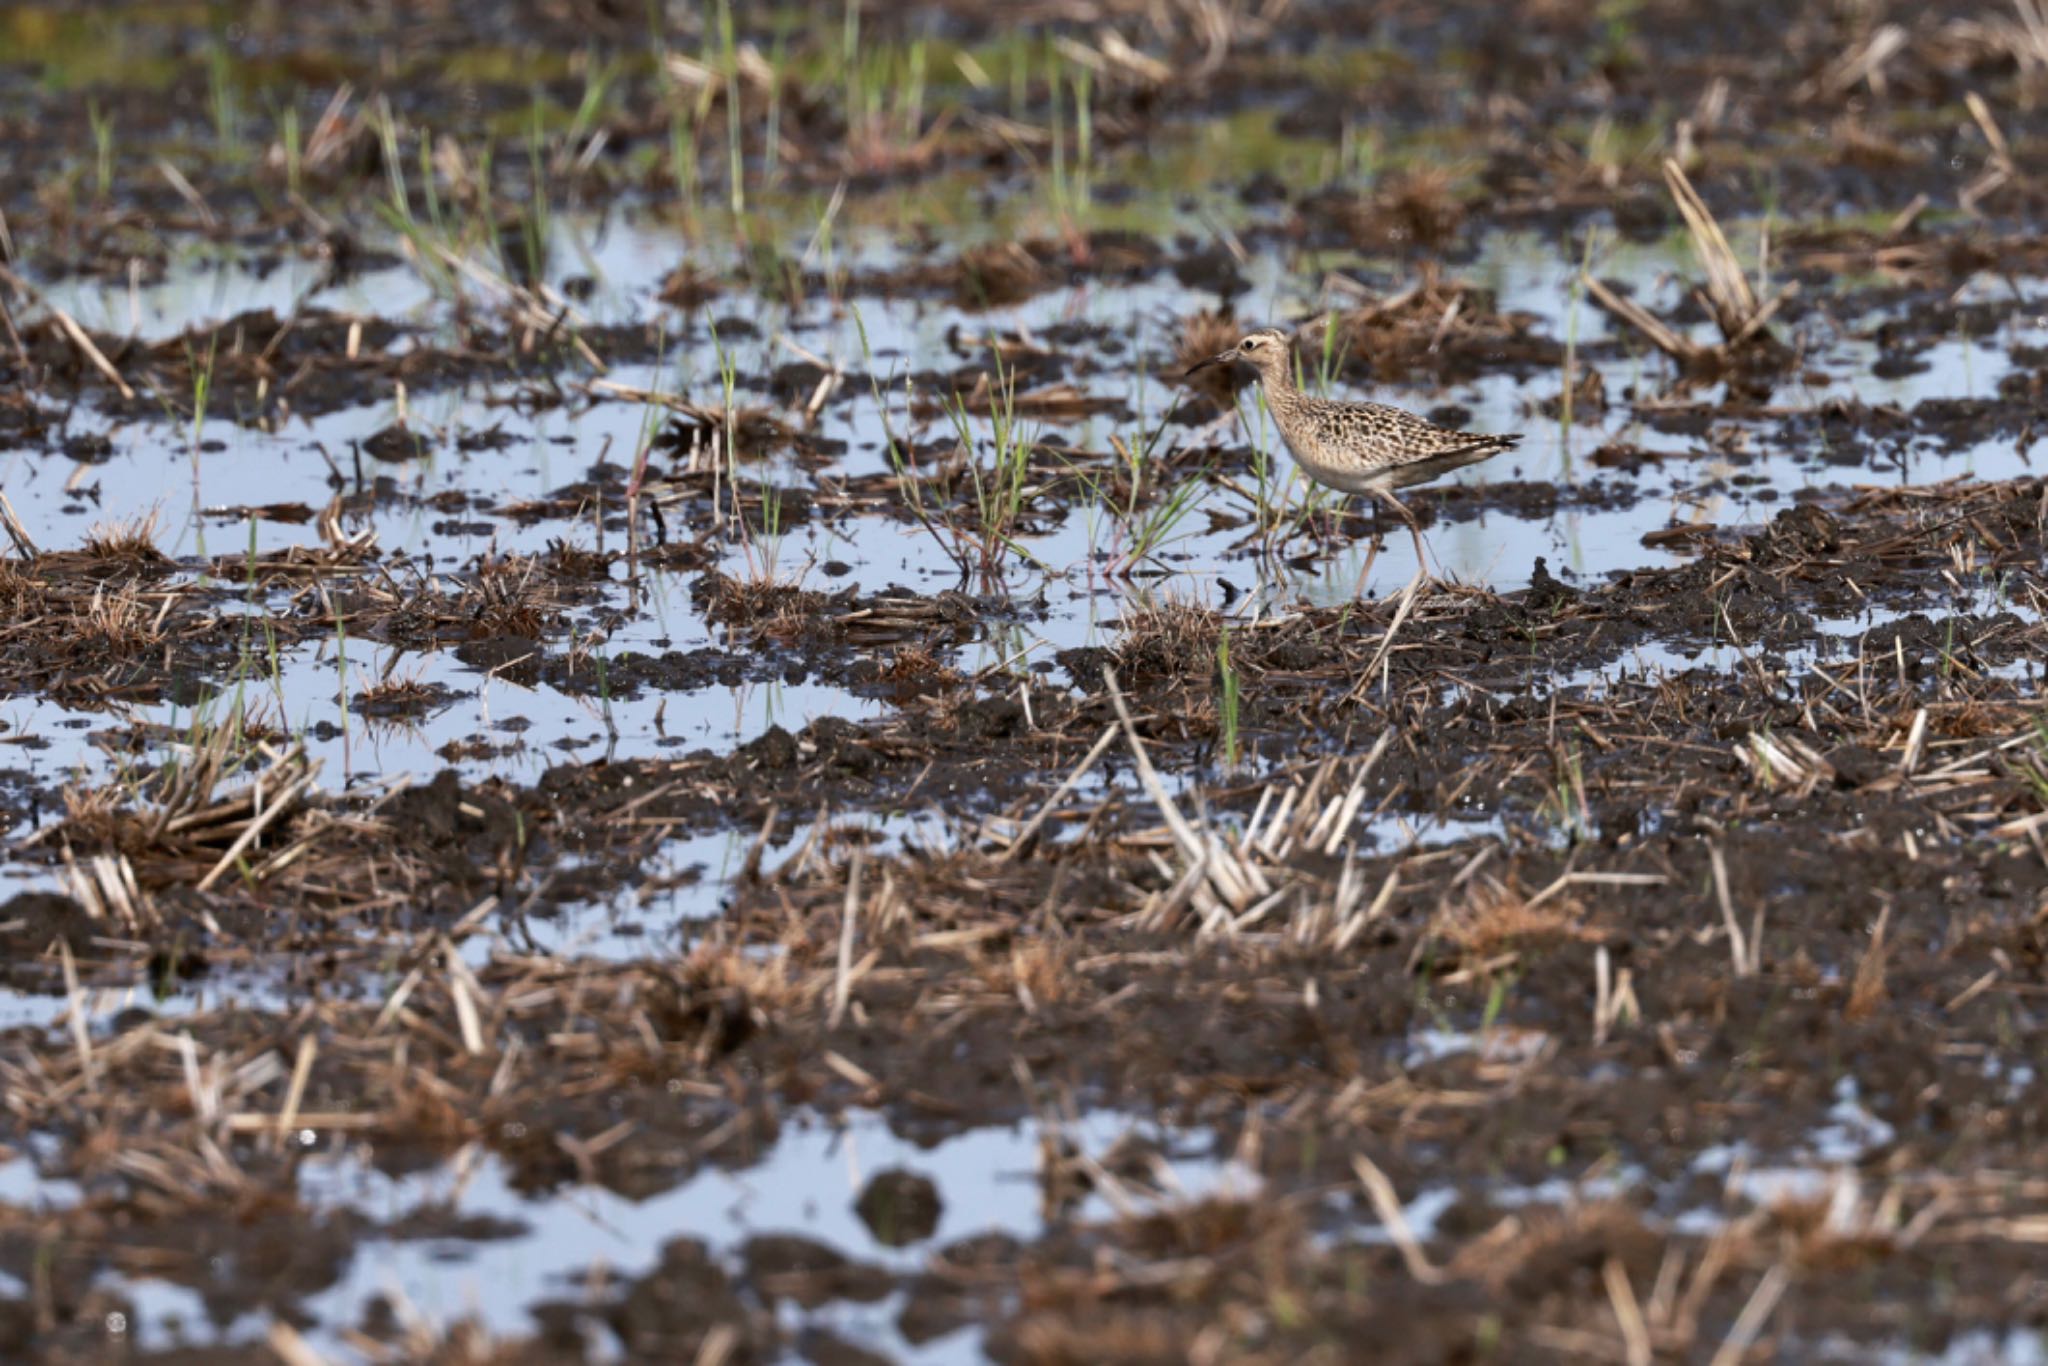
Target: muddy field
[{"x": 643, "y": 722}]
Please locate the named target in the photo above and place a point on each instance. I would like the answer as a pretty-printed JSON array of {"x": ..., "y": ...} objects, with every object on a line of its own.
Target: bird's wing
[{"x": 1422, "y": 435}]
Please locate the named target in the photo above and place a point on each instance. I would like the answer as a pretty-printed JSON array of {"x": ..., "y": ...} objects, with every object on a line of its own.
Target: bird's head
[{"x": 1266, "y": 350}]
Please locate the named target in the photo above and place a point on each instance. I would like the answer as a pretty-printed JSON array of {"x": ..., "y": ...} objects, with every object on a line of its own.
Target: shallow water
[
  {"x": 149, "y": 468},
  {"x": 808, "y": 1182},
  {"x": 439, "y": 514}
]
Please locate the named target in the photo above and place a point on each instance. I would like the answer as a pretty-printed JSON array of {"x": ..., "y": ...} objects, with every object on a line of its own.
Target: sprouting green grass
[
  {"x": 735, "y": 151},
  {"x": 2035, "y": 769},
  {"x": 1496, "y": 1001},
  {"x": 533, "y": 220},
  {"x": 1065, "y": 207},
  {"x": 820, "y": 248},
  {"x": 202, "y": 386},
  {"x": 597, "y": 92},
  {"x": 202, "y": 390},
  {"x": 771, "y": 527},
  {"x": 1084, "y": 139},
  {"x": 1330, "y": 359},
  {"x": 997, "y": 488},
  {"x": 1000, "y": 489},
  {"x": 682, "y": 151},
  {"x": 1574, "y": 816},
  {"x": 910, "y": 107},
  {"x": 223, "y": 103},
  {"x": 910, "y": 485},
  {"x": 1145, "y": 522},
  {"x": 430, "y": 191},
  {"x": 728, "y": 385},
  {"x": 1571, "y": 347},
  {"x": 762, "y": 556},
  {"x": 849, "y": 54},
  {"x": 102, "y": 124},
  {"x": 1157, "y": 525},
  {"x": 442, "y": 238},
  {"x": 1359, "y": 154},
  {"x": 289, "y": 138},
  {"x": 386, "y": 125}
]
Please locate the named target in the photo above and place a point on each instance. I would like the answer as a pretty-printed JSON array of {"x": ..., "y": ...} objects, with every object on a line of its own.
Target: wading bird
[{"x": 1360, "y": 448}]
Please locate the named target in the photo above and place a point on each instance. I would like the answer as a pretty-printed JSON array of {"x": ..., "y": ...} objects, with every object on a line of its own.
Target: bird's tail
[{"x": 1483, "y": 447}]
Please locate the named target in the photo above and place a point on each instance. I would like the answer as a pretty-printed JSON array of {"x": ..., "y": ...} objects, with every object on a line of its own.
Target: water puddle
[{"x": 851, "y": 1185}]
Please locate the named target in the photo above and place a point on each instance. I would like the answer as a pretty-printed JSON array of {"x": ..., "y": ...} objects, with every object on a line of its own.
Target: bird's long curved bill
[{"x": 1205, "y": 364}]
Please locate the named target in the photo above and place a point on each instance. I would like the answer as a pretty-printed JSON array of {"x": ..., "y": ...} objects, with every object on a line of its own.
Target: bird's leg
[
  {"x": 1372, "y": 555},
  {"x": 1319, "y": 530},
  {"x": 1414, "y": 529},
  {"x": 1324, "y": 529}
]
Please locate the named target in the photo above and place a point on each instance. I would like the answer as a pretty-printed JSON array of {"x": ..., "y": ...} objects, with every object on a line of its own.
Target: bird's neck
[{"x": 1279, "y": 385}]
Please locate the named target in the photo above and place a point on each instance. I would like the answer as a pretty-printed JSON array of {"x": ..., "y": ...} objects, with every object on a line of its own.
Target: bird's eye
[{"x": 1251, "y": 343}]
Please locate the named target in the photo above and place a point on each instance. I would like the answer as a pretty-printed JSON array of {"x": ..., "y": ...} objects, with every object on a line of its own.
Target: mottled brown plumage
[{"x": 1362, "y": 448}]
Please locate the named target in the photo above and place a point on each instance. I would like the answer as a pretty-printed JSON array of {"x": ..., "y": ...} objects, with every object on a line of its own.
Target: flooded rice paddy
[{"x": 640, "y": 719}]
